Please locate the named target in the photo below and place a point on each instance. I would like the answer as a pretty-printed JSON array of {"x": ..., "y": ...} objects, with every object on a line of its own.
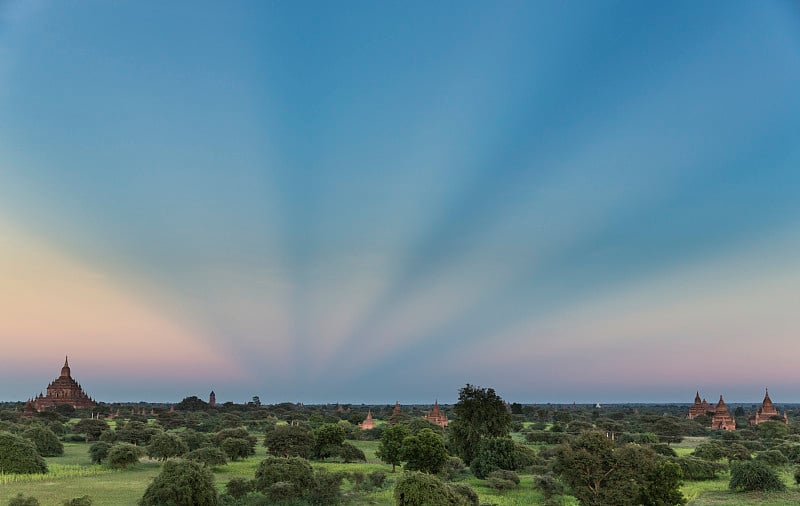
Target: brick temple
[
  {"x": 767, "y": 412},
  {"x": 722, "y": 419},
  {"x": 437, "y": 417},
  {"x": 63, "y": 390},
  {"x": 700, "y": 407}
]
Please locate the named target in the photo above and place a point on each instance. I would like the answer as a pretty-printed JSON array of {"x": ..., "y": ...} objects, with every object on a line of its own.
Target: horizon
[{"x": 342, "y": 202}]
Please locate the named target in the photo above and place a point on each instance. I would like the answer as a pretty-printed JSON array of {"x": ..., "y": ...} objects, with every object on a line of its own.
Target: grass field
[{"x": 73, "y": 475}]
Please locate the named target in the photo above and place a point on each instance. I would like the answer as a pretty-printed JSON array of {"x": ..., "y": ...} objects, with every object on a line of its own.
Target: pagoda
[
  {"x": 700, "y": 407},
  {"x": 722, "y": 420},
  {"x": 63, "y": 390},
  {"x": 368, "y": 423},
  {"x": 766, "y": 412},
  {"x": 437, "y": 417}
]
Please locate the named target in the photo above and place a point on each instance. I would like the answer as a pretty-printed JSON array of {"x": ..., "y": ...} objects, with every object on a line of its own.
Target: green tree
[
  {"x": 236, "y": 448},
  {"x": 135, "y": 433},
  {"x": 294, "y": 473},
  {"x": 238, "y": 433},
  {"x": 78, "y": 501},
  {"x": 753, "y": 476},
  {"x": 772, "y": 431},
  {"x": 289, "y": 441},
  {"x": 21, "y": 500},
  {"x": 494, "y": 453},
  {"x": 98, "y": 452},
  {"x": 328, "y": 440},
  {"x": 165, "y": 445},
  {"x": 480, "y": 413},
  {"x": 348, "y": 452},
  {"x": 90, "y": 427},
  {"x": 192, "y": 403},
  {"x": 46, "y": 443},
  {"x": 208, "y": 456},
  {"x": 122, "y": 455},
  {"x": 420, "y": 489},
  {"x": 181, "y": 483},
  {"x": 19, "y": 456},
  {"x": 391, "y": 446},
  {"x": 424, "y": 452}
]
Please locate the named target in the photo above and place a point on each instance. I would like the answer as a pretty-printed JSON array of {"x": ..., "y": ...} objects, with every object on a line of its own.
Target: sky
[{"x": 363, "y": 202}]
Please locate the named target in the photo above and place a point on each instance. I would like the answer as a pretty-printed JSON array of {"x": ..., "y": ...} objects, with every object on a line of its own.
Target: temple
[
  {"x": 368, "y": 423},
  {"x": 767, "y": 413},
  {"x": 722, "y": 420},
  {"x": 700, "y": 407},
  {"x": 63, "y": 391},
  {"x": 436, "y": 416},
  {"x": 212, "y": 399}
]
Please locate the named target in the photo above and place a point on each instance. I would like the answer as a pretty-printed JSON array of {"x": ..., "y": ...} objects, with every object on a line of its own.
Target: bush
[
  {"x": 46, "y": 443},
  {"x": 505, "y": 475},
  {"x": 754, "y": 476},
  {"x": 376, "y": 479},
  {"x": 289, "y": 441},
  {"x": 181, "y": 482},
  {"x": 239, "y": 433},
  {"x": 664, "y": 449},
  {"x": 98, "y": 452},
  {"x": 79, "y": 501},
  {"x": 19, "y": 456},
  {"x": 164, "y": 445},
  {"x": 281, "y": 479},
  {"x": 326, "y": 488},
  {"x": 493, "y": 453},
  {"x": 454, "y": 468},
  {"x": 238, "y": 487},
  {"x": 209, "y": 456},
  {"x": 548, "y": 485},
  {"x": 420, "y": 489},
  {"x": 236, "y": 448},
  {"x": 124, "y": 454},
  {"x": 797, "y": 475},
  {"x": 350, "y": 453},
  {"x": 772, "y": 458},
  {"x": 695, "y": 469},
  {"x": 21, "y": 500}
]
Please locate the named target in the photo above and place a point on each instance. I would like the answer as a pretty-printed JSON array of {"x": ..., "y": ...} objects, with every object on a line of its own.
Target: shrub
[
  {"x": 421, "y": 489},
  {"x": 209, "y": 456},
  {"x": 98, "y": 452},
  {"x": 326, "y": 488},
  {"x": 238, "y": 487},
  {"x": 773, "y": 458},
  {"x": 46, "y": 443},
  {"x": 664, "y": 449},
  {"x": 548, "y": 485},
  {"x": 797, "y": 475},
  {"x": 78, "y": 501},
  {"x": 453, "y": 468},
  {"x": 695, "y": 469},
  {"x": 754, "y": 476},
  {"x": 281, "y": 479},
  {"x": 376, "y": 479},
  {"x": 164, "y": 445},
  {"x": 124, "y": 454},
  {"x": 503, "y": 474},
  {"x": 21, "y": 500},
  {"x": 19, "y": 455},
  {"x": 464, "y": 494},
  {"x": 181, "y": 482},
  {"x": 350, "y": 453}
]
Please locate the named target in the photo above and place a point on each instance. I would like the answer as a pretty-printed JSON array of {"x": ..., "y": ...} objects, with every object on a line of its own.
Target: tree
[
  {"x": 135, "y": 433},
  {"x": 294, "y": 473},
  {"x": 772, "y": 431},
  {"x": 192, "y": 403},
  {"x": 420, "y": 489},
  {"x": 238, "y": 433},
  {"x": 391, "y": 446},
  {"x": 84, "y": 500},
  {"x": 424, "y": 452},
  {"x": 194, "y": 439},
  {"x": 181, "y": 483},
  {"x": 165, "y": 445},
  {"x": 752, "y": 476},
  {"x": 602, "y": 475},
  {"x": 480, "y": 413},
  {"x": 289, "y": 441},
  {"x": 98, "y": 452},
  {"x": 236, "y": 448},
  {"x": 123, "y": 455},
  {"x": 90, "y": 427},
  {"x": 494, "y": 453},
  {"x": 19, "y": 456},
  {"x": 328, "y": 440},
  {"x": 46, "y": 443},
  {"x": 348, "y": 452}
]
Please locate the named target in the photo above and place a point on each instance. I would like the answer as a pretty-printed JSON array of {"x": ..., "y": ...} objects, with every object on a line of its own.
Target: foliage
[
  {"x": 136, "y": 433},
  {"x": 79, "y": 501},
  {"x": 209, "y": 456},
  {"x": 502, "y": 480},
  {"x": 91, "y": 427},
  {"x": 45, "y": 441},
  {"x": 235, "y": 451},
  {"x": 98, "y": 452},
  {"x": 281, "y": 479},
  {"x": 238, "y": 487},
  {"x": 494, "y": 453},
  {"x": 236, "y": 448},
  {"x": 289, "y": 441},
  {"x": 326, "y": 488},
  {"x": 480, "y": 413},
  {"x": 165, "y": 445},
  {"x": 122, "y": 455},
  {"x": 754, "y": 476},
  {"x": 19, "y": 455},
  {"x": 424, "y": 452},
  {"x": 328, "y": 440},
  {"x": 181, "y": 483},
  {"x": 390, "y": 449},
  {"x": 773, "y": 458},
  {"x": 21, "y": 500},
  {"x": 797, "y": 475},
  {"x": 194, "y": 439},
  {"x": 420, "y": 489},
  {"x": 772, "y": 430},
  {"x": 192, "y": 403},
  {"x": 698, "y": 469},
  {"x": 548, "y": 485},
  {"x": 350, "y": 453}
]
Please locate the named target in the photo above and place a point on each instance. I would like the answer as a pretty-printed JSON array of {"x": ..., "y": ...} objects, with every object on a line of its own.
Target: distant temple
[
  {"x": 722, "y": 420},
  {"x": 766, "y": 412},
  {"x": 700, "y": 407},
  {"x": 212, "y": 399},
  {"x": 368, "y": 423},
  {"x": 437, "y": 416},
  {"x": 62, "y": 391},
  {"x": 393, "y": 419}
]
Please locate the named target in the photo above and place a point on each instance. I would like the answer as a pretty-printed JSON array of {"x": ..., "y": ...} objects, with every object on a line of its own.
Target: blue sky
[{"x": 363, "y": 202}]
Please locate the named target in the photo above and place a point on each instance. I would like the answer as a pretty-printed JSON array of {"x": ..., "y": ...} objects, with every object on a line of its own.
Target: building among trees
[
  {"x": 212, "y": 399},
  {"x": 700, "y": 407},
  {"x": 64, "y": 390},
  {"x": 436, "y": 416},
  {"x": 368, "y": 423},
  {"x": 767, "y": 412},
  {"x": 722, "y": 420}
]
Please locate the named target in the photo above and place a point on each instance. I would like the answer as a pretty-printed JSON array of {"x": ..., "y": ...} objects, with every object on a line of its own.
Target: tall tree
[
  {"x": 391, "y": 446},
  {"x": 480, "y": 413},
  {"x": 424, "y": 452}
]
